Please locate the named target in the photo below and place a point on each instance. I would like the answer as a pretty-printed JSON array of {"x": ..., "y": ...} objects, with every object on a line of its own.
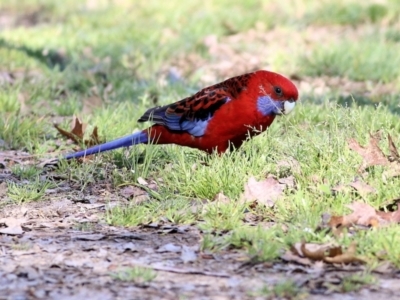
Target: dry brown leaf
[
  {"x": 264, "y": 192},
  {"x": 340, "y": 188},
  {"x": 362, "y": 214},
  {"x": 372, "y": 155},
  {"x": 362, "y": 188},
  {"x": 385, "y": 267},
  {"x": 291, "y": 256},
  {"x": 13, "y": 226},
  {"x": 77, "y": 133},
  {"x": 131, "y": 191},
  {"x": 318, "y": 253},
  {"x": 365, "y": 215},
  {"x": 347, "y": 257},
  {"x": 392, "y": 217},
  {"x": 394, "y": 170},
  {"x": 322, "y": 252},
  {"x": 3, "y": 190},
  {"x": 292, "y": 164},
  {"x": 142, "y": 181},
  {"x": 394, "y": 154},
  {"x": 221, "y": 198},
  {"x": 288, "y": 181}
]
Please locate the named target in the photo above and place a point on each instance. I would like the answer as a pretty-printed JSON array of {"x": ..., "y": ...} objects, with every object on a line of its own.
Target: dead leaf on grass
[
  {"x": 142, "y": 181},
  {"x": 13, "y": 226},
  {"x": 364, "y": 215},
  {"x": 394, "y": 154},
  {"x": 288, "y": 181},
  {"x": 373, "y": 155},
  {"x": 221, "y": 198},
  {"x": 291, "y": 256},
  {"x": 264, "y": 192},
  {"x": 347, "y": 257},
  {"x": 131, "y": 191},
  {"x": 385, "y": 267},
  {"x": 326, "y": 252},
  {"x": 289, "y": 164},
  {"x": 362, "y": 188},
  {"x": 317, "y": 252},
  {"x": 391, "y": 217},
  {"x": 340, "y": 188},
  {"x": 134, "y": 193},
  {"x": 3, "y": 190},
  {"x": 77, "y": 133}
]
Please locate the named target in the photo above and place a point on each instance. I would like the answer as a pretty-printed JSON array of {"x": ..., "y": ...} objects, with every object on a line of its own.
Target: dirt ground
[{"x": 62, "y": 248}]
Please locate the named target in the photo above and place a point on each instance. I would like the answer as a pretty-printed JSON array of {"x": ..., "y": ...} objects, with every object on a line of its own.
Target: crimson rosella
[{"x": 216, "y": 117}]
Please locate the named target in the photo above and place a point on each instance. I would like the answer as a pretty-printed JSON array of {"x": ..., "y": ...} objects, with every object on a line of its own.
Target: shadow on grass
[
  {"x": 392, "y": 102},
  {"x": 49, "y": 57},
  {"x": 389, "y": 101}
]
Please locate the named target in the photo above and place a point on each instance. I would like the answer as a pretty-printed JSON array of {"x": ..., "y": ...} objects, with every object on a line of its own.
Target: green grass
[
  {"x": 347, "y": 12},
  {"x": 121, "y": 53},
  {"x": 27, "y": 192},
  {"x": 136, "y": 275},
  {"x": 368, "y": 59}
]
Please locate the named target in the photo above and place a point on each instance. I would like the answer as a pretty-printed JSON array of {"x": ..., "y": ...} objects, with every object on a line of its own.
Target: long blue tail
[{"x": 126, "y": 141}]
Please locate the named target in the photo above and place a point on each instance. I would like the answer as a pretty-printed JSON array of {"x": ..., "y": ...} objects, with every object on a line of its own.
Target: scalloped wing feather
[{"x": 192, "y": 114}]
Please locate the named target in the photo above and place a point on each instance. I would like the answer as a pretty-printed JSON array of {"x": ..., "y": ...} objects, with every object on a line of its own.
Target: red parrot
[{"x": 216, "y": 117}]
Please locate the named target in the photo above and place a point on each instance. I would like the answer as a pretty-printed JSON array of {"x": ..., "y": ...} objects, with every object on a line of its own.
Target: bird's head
[{"x": 276, "y": 94}]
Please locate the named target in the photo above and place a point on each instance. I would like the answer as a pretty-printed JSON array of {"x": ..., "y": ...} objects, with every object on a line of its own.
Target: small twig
[{"x": 189, "y": 271}]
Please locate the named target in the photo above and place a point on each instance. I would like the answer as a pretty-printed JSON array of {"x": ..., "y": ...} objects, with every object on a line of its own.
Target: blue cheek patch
[{"x": 267, "y": 106}]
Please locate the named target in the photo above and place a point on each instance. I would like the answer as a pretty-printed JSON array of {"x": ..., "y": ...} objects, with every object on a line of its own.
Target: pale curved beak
[{"x": 288, "y": 106}]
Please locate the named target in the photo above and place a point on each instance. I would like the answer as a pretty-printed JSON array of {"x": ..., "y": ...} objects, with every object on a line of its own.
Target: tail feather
[{"x": 126, "y": 141}]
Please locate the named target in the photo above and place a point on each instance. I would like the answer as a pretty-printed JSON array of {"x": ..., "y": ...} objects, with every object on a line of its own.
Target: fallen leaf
[
  {"x": 3, "y": 190},
  {"x": 131, "y": 191},
  {"x": 340, "y": 188},
  {"x": 372, "y": 155},
  {"x": 318, "y": 253},
  {"x": 77, "y": 133},
  {"x": 292, "y": 164},
  {"x": 385, "y": 267},
  {"x": 390, "y": 205},
  {"x": 362, "y": 188},
  {"x": 364, "y": 215},
  {"x": 13, "y": 226},
  {"x": 142, "y": 181},
  {"x": 394, "y": 154},
  {"x": 288, "y": 181},
  {"x": 291, "y": 256},
  {"x": 264, "y": 192},
  {"x": 392, "y": 217},
  {"x": 324, "y": 252},
  {"x": 221, "y": 198},
  {"x": 394, "y": 170},
  {"x": 347, "y": 257}
]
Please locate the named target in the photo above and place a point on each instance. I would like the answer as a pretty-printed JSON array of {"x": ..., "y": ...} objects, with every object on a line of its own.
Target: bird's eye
[{"x": 278, "y": 90}]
